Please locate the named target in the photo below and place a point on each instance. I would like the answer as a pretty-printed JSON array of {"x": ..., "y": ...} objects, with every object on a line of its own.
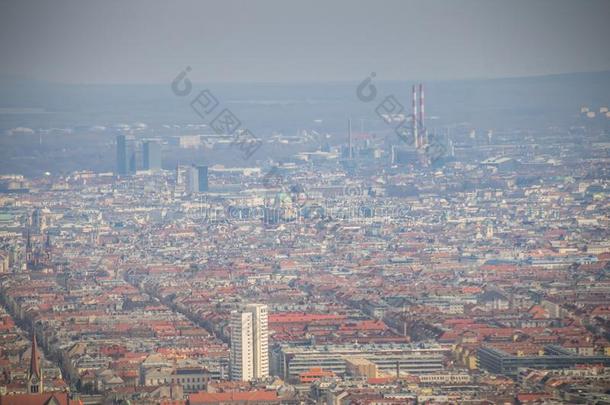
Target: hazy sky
[{"x": 150, "y": 41}]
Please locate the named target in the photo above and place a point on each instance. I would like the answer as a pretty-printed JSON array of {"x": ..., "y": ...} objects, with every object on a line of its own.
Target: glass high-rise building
[
  {"x": 202, "y": 178},
  {"x": 125, "y": 155},
  {"x": 151, "y": 155},
  {"x": 197, "y": 179}
]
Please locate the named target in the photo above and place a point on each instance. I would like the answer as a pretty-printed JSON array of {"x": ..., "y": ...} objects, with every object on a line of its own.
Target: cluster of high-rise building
[
  {"x": 353, "y": 273},
  {"x": 132, "y": 155}
]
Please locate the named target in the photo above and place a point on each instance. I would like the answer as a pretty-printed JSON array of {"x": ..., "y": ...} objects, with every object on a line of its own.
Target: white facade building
[
  {"x": 242, "y": 362},
  {"x": 249, "y": 343},
  {"x": 260, "y": 339}
]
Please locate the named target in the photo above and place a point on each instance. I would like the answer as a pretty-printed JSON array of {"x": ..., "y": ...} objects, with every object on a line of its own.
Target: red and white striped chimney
[
  {"x": 422, "y": 126},
  {"x": 415, "y": 118}
]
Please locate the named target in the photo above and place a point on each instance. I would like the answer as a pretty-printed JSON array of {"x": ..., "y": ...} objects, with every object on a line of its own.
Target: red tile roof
[
  {"x": 224, "y": 397},
  {"x": 38, "y": 399}
]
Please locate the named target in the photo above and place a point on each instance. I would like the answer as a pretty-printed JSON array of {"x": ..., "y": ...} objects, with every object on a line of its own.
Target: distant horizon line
[{"x": 15, "y": 80}]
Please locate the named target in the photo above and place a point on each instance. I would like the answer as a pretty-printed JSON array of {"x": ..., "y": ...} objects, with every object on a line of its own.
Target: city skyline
[{"x": 304, "y": 203}]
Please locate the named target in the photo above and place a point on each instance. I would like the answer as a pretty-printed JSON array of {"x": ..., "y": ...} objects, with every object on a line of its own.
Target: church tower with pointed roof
[{"x": 34, "y": 373}]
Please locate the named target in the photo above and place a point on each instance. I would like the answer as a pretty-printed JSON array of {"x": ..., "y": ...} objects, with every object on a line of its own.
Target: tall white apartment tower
[
  {"x": 260, "y": 338},
  {"x": 242, "y": 362},
  {"x": 249, "y": 343}
]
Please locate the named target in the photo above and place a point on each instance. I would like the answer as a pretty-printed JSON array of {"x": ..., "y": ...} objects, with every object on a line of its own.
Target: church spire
[
  {"x": 34, "y": 373},
  {"x": 28, "y": 247}
]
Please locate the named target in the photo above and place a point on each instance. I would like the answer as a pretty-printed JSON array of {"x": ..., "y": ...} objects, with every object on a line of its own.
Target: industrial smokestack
[
  {"x": 422, "y": 126},
  {"x": 349, "y": 138},
  {"x": 414, "y": 121}
]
